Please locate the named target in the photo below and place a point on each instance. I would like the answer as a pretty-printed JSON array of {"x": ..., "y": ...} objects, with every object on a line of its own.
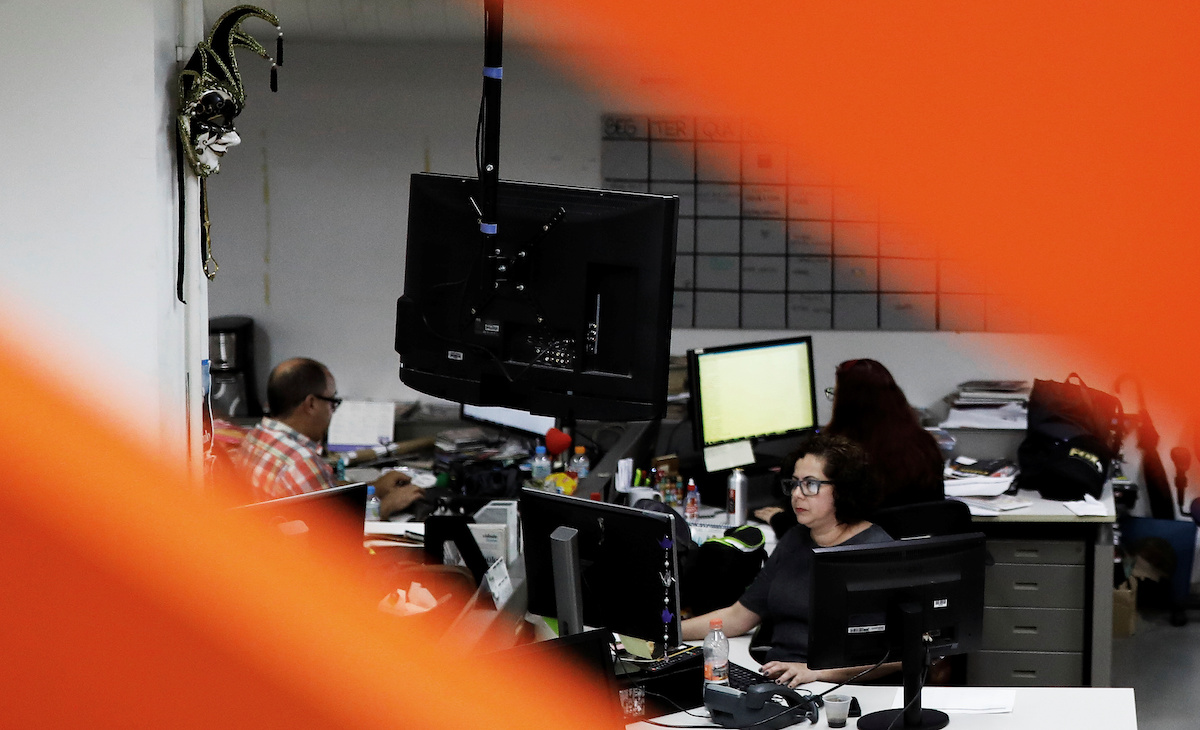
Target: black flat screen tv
[{"x": 565, "y": 311}]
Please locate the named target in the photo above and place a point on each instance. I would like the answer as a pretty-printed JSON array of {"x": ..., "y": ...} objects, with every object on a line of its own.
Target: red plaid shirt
[{"x": 281, "y": 461}]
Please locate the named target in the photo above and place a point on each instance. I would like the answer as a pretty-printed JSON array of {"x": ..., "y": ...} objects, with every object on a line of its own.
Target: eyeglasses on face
[
  {"x": 333, "y": 402},
  {"x": 809, "y": 486},
  {"x": 829, "y": 393}
]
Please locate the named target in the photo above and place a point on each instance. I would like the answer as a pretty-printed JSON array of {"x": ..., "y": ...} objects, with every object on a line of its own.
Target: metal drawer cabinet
[
  {"x": 1040, "y": 586},
  {"x": 1035, "y": 598},
  {"x": 1033, "y": 629},
  {"x": 1025, "y": 669}
]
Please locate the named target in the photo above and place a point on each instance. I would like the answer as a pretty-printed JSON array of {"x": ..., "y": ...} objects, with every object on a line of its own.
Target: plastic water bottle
[
  {"x": 735, "y": 505},
  {"x": 579, "y": 463},
  {"x": 372, "y": 503},
  {"x": 716, "y": 654},
  {"x": 539, "y": 468},
  {"x": 691, "y": 505}
]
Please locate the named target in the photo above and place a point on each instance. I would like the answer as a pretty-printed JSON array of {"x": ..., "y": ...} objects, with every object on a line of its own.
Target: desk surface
[
  {"x": 1049, "y": 510},
  {"x": 1036, "y": 708}
]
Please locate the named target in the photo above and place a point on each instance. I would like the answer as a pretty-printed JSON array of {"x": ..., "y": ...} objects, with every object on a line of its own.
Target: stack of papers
[
  {"x": 992, "y": 392},
  {"x": 1089, "y": 506},
  {"x": 993, "y": 505},
  {"x": 963, "y": 700},
  {"x": 1010, "y": 416},
  {"x": 977, "y": 486},
  {"x": 989, "y": 404}
]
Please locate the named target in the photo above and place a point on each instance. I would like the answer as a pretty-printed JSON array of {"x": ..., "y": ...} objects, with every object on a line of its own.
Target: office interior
[{"x": 309, "y": 211}]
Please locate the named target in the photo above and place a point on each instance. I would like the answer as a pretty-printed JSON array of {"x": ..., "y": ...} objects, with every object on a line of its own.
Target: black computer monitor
[
  {"x": 330, "y": 521},
  {"x": 753, "y": 391},
  {"x": 912, "y": 600},
  {"x": 627, "y": 558},
  {"x": 590, "y": 654},
  {"x": 566, "y": 311}
]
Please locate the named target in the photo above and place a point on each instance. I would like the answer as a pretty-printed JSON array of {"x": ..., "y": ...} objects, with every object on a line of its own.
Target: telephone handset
[{"x": 758, "y": 707}]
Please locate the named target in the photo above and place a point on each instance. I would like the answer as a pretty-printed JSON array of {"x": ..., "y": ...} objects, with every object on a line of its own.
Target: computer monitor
[
  {"x": 911, "y": 600},
  {"x": 511, "y": 418},
  {"x": 753, "y": 391},
  {"x": 330, "y": 520},
  {"x": 590, "y": 655},
  {"x": 566, "y": 311},
  {"x": 628, "y": 562}
]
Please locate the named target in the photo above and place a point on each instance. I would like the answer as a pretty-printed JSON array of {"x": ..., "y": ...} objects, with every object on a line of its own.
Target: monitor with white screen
[
  {"x": 522, "y": 421},
  {"x": 752, "y": 391}
]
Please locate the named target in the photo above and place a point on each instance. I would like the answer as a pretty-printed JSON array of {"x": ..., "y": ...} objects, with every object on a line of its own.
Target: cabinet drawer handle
[
  {"x": 1025, "y": 586},
  {"x": 1026, "y": 552},
  {"x": 1025, "y": 629},
  {"x": 1025, "y": 673}
]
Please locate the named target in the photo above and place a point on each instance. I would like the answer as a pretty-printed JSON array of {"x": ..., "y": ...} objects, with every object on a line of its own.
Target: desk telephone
[{"x": 766, "y": 705}]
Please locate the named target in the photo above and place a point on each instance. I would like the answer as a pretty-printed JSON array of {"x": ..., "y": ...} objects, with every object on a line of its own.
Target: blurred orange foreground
[
  {"x": 1053, "y": 142},
  {"x": 130, "y": 602}
]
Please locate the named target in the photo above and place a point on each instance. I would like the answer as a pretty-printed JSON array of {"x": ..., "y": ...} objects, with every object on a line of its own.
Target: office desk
[
  {"x": 1036, "y": 708},
  {"x": 1048, "y": 598}
]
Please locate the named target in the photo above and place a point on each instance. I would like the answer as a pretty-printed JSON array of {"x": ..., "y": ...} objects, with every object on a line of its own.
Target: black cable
[{"x": 677, "y": 706}]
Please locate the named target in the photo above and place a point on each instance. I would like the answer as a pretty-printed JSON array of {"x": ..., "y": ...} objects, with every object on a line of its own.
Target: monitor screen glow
[{"x": 753, "y": 391}]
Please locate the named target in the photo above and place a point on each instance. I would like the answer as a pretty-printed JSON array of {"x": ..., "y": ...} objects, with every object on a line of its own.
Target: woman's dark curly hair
[{"x": 855, "y": 493}]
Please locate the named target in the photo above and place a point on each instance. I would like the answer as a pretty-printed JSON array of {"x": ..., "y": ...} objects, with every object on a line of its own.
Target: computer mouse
[{"x": 855, "y": 708}]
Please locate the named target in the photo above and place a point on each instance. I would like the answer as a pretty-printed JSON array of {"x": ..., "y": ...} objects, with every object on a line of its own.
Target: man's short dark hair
[
  {"x": 291, "y": 382},
  {"x": 846, "y": 465}
]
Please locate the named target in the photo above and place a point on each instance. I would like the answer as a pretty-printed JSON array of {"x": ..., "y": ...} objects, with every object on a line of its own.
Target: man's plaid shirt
[{"x": 281, "y": 461}]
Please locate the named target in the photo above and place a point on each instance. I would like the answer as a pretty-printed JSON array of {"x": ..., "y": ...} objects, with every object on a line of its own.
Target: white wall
[{"x": 87, "y": 216}]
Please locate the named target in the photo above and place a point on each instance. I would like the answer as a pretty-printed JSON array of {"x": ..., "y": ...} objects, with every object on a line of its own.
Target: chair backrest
[{"x": 925, "y": 519}]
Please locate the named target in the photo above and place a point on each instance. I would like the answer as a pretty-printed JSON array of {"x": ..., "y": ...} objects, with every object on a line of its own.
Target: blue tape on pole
[
  {"x": 493, "y": 72},
  {"x": 488, "y": 228}
]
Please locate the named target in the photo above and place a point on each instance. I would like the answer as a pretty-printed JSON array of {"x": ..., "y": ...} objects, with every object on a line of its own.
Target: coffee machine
[{"x": 231, "y": 363}]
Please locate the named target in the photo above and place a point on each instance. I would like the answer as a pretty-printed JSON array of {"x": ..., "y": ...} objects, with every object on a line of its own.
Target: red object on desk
[{"x": 557, "y": 441}]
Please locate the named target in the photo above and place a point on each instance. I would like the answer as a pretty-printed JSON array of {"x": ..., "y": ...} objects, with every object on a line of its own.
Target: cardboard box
[{"x": 1125, "y": 610}]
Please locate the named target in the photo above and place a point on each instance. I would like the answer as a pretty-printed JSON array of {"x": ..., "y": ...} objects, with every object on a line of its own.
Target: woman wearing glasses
[
  {"x": 870, "y": 409},
  {"x": 831, "y": 495}
]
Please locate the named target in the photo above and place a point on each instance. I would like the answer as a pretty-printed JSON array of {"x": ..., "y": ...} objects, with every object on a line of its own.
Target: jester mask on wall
[{"x": 211, "y": 96}]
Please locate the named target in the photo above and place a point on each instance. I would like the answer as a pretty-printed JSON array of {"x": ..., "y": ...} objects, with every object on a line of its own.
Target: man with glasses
[{"x": 281, "y": 456}]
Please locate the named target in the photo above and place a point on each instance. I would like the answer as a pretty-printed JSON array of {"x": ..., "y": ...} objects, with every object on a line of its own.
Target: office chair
[{"x": 925, "y": 519}]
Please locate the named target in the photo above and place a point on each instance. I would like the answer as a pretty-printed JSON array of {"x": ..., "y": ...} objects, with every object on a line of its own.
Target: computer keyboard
[
  {"x": 740, "y": 677},
  {"x": 677, "y": 660}
]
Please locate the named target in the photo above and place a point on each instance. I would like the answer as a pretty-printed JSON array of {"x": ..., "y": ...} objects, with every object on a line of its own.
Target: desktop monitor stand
[{"x": 914, "y": 662}]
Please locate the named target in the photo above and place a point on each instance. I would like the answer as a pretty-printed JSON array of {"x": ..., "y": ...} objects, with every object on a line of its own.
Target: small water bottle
[
  {"x": 691, "y": 504},
  {"x": 372, "y": 503},
  {"x": 539, "y": 468},
  {"x": 735, "y": 504},
  {"x": 716, "y": 654},
  {"x": 579, "y": 463}
]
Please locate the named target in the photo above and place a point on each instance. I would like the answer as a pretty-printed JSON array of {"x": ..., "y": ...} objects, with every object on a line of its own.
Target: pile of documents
[{"x": 999, "y": 404}]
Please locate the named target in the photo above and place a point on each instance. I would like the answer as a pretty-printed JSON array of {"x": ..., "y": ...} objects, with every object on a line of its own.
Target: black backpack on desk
[{"x": 1074, "y": 433}]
